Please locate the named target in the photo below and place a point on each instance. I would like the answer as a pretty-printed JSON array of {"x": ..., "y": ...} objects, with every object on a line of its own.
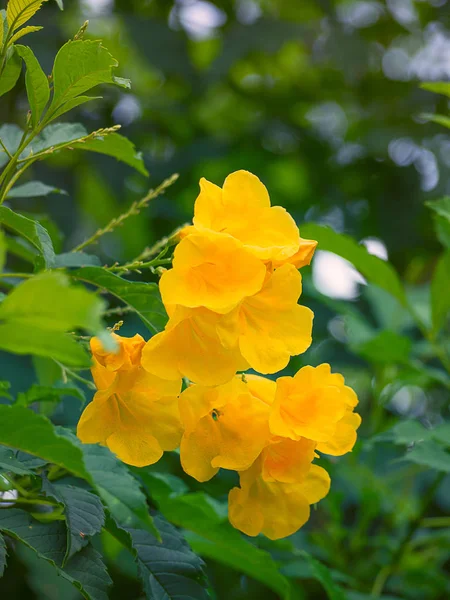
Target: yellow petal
[
  {"x": 302, "y": 256},
  {"x": 208, "y": 208},
  {"x": 244, "y": 192},
  {"x": 287, "y": 460},
  {"x": 344, "y": 437},
  {"x": 211, "y": 270},
  {"x": 262, "y": 388},
  {"x": 102, "y": 376},
  {"x": 127, "y": 356},
  {"x": 316, "y": 484},
  {"x": 273, "y": 326}
]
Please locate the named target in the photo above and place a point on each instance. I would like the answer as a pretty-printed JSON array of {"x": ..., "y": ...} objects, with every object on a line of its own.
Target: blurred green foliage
[{"x": 322, "y": 100}]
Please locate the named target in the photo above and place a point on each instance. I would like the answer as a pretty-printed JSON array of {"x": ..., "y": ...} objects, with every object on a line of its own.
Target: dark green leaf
[
  {"x": 38, "y": 89},
  {"x": 11, "y": 72},
  {"x": 9, "y": 462},
  {"x": 4, "y": 387},
  {"x": 34, "y": 189},
  {"x": 22, "y": 429},
  {"x": 440, "y": 296},
  {"x": 143, "y": 297},
  {"x": 88, "y": 573},
  {"x": 76, "y": 259},
  {"x": 33, "y": 232},
  {"x": 55, "y": 136},
  {"x": 374, "y": 269},
  {"x": 3, "y": 555},
  {"x": 41, "y": 393},
  {"x": 119, "y": 147},
  {"x": 323, "y": 575},
  {"x": 10, "y": 136},
  {"x": 430, "y": 454}
]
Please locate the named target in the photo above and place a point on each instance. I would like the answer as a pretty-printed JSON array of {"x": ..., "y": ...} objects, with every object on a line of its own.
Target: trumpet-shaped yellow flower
[
  {"x": 263, "y": 332},
  {"x": 315, "y": 404},
  {"x": 224, "y": 427},
  {"x": 135, "y": 414},
  {"x": 287, "y": 460},
  {"x": 273, "y": 508},
  {"x": 213, "y": 271},
  {"x": 302, "y": 257}
]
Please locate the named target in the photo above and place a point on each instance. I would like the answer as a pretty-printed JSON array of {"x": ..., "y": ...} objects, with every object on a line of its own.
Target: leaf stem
[
  {"x": 27, "y": 501},
  {"x": 5, "y": 148},
  {"x": 68, "y": 372}
]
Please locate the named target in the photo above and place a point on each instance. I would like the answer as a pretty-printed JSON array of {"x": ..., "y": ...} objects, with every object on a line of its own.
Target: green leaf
[
  {"x": 88, "y": 573},
  {"x": 429, "y": 454},
  {"x": 55, "y": 135},
  {"x": 79, "y": 66},
  {"x": 213, "y": 536},
  {"x": 34, "y": 189},
  {"x": 33, "y": 232},
  {"x": 40, "y": 393},
  {"x": 11, "y": 71},
  {"x": 18, "y": 12},
  {"x": 38, "y": 312},
  {"x": 439, "y": 119},
  {"x": 38, "y": 89},
  {"x": 10, "y": 136},
  {"x": 3, "y": 555},
  {"x": 438, "y": 87},
  {"x": 76, "y": 259},
  {"x": 3, "y": 248},
  {"x": 60, "y": 4},
  {"x": 323, "y": 575},
  {"x": 442, "y": 206},
  {"x": 440, "y": 296},
  {"x": 374, "y": 269},
  {"x": 386, "y": 347},
  {"x": 143, "y": 297},
  {"x": 441, "y": 215},
  {"x": 9, "y": 462},
  {"x": 84, "y": 514},
  {"x": 119, "y": 147},
  {"x": 4, "y": 387},
  {"x": 122, "y": 82},
  {"x": 22, "y": 32},
  {"x": 168, "y": 568}
]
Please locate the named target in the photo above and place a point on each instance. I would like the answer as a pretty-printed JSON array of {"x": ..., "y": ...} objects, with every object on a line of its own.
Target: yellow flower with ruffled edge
[
  {"x": 213, "y": 271},
  {"x": 274, "y": 508},
  {"x": 262, "y": 332},
  {"x": 135, "y": 414},
  {"x": 224, "y": 427},
  {"x": 242, "y": 210},
  {"x": 317, "y": 405}
]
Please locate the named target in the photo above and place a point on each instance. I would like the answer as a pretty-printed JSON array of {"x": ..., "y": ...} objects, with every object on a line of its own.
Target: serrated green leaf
[
  {"x": 76, "y": 259},
  {"x": 38, "y": 89},
  {"x": 429, "y": 454},
  {"x": 24, "y": 430},
  {"x": 19, "y": 12},
  {"x": 83, "y": 510},
  {"x": 440, "y": 296},
  {"x": 143, "y": 297},
  {"x": 119, "y": 147},
  {"x": 38, "y": 312},
  {"x": 3, "y": 555},
  {"x": 79, "y": 66},
  {"x": 374, "y": 269},
  {"x": 34, "y": 189},
  {"x": 11, "y": 71},
  {"x": 323, "y": 575},
  {"x": 9, "y": 462},
  {"x": 33, "y": 232},
  {"x": 168, "y": 568},
  {"x": 24, "y": 31},
  {"x": 87, "y": 571},
  {"x": 40, "y": 393}
]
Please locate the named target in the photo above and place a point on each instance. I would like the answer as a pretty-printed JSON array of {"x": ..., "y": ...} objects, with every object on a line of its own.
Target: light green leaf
[
  {"x": 143, "y": 297},
  {"x": 323, "y": 575},
  {"x": 122, "y": 82},
  {"x": 374, "y": 269},
  {"x": 439, "y": 119},
  {"x": 4, "y": 387},
  {"x": 11, "y": 71},
  {"x": 3, "y": 555},
  {"x": 79, "y": 66},
  {"x": 41, "y": 393},
  {"x": 34, "y": 189},
  {"x": 60, "y": 4},
  {"x": 438, "y": 87},
  {"x": 19, "y": 12},
  {"x": 429, "y": 454},
  {"x": 441, "y": 210},
  {"x": 23, "y": 429},
  {"x": 2, "y": 250},
  {"x": 440, "y": 296},
  {"x": 441, "y": 206},
  {"x": 119, "y": 147},
  {"x": 38, "y": 89},
  {"x": 33, "y": 232},
  {"x": 76, "y": 259},
  {"x": 2, "y": 26},
  {"x": 24, "y": 31}
]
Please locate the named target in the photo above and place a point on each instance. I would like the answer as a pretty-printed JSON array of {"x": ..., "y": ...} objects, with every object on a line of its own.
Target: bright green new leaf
[
  {"x": 79, "y": 66},
  {"x": 19, "y": 12},
  {"x": 440, "y": 293},
  {"x": 19, "y": 34},
  {"x": 38, "y": 89},
  {"x": 119, "y": 147},
  {"x": 441, "y": 206},
  {"x": 33, "y": 232},
  {"x": 143, "y": 297},
  {"x": 11, "y": 71},
  {"x": 3, "y": 555},
  {"x": 374, "y": 269},
  {"x": 34, "y": 189},
  {"x": 438, "y": 87},
  {"x": 2, "y": 250},
  {"x": 23, "y": 429},
  {"x": 439, "y": 119},
  {"x": 1, "y": 28}
]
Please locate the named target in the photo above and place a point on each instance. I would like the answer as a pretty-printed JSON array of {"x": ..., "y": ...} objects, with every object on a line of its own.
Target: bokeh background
[{"x": 321, "y": 99}]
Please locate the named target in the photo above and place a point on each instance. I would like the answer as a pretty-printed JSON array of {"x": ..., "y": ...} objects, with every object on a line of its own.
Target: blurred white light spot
[
  {"x": 409, "y": 400},
  {"x": 396, "y": 64},
  {"x": 376, "y": 247},
  {"x": 96, "y": 8},
  {"x": 403, "y": 11},
  {"x": 127, "y": 110},
  {"x": 403, "y": 151},
  {"x": 248, "y": 11},
  {"x": 432, "y": 61},
  {"x": 329, "y": 119},
  {"x": 199, "y": 18},
  {"x": 426, "y": 165},
  {"x": 359, "y": 14},
  {"x": 9, "y": 495},
  {"x": 335, "y": 277}
]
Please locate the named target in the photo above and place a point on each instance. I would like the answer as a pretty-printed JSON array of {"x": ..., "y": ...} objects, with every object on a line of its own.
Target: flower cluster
[{"x": 232, "y": 300}]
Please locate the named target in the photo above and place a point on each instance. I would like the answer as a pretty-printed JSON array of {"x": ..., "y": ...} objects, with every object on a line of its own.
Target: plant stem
[
  {"x": 170, "y": 240},
  {"x": 137, "y": 265},
  {"x": 66, "y": 371},
  {"x": 16, "y": 275},
  {"x": 5, "y": 148},
  {"x": 27, "y": 501},
  {"x": 16, "y": 485},
  {"x": 387, "y": 571}
]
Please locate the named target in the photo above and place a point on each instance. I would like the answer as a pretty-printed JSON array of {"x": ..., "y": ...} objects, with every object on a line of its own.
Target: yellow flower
[
  {"x": 135, "y": 414},
  {"x": 302, "y": 257},
  {"x": 242, "y": 209},
  {"x": 262, "y": 332},
  {"x": 224, "y": 427},
  {"x": 273, "y": 508},
  {"x": 287, "y": 460},
  {"x": 213, "y": 271},
  {"x": 127, "y": 356},
  {"x": 316, "y": 404}
]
